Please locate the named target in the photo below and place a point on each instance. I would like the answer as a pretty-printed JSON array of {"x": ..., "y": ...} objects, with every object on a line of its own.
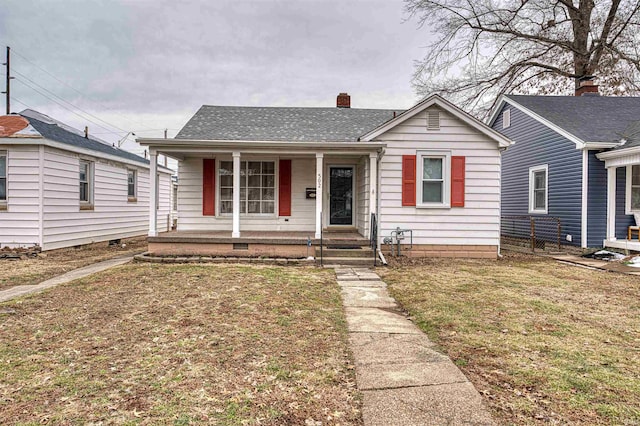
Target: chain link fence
[{"x": 531, "y": 233}]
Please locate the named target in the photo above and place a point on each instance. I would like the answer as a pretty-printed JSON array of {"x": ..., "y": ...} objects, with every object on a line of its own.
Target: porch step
[
  {"x": 355, "y": 261},
  {"x": 331, "y": 252}
]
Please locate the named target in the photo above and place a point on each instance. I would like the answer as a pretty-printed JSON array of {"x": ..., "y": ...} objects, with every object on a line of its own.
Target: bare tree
[{"x": 484, "y": 48}]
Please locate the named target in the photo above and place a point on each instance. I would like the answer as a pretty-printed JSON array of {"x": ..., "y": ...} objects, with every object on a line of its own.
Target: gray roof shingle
[
  {"x": 283, "y": 123},
  {"x": 59, "y": 132},
  {"x": 590, "y": 118}
]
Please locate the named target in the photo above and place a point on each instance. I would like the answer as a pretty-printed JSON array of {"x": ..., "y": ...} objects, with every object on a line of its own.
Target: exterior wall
[
  {"x": 112, "y": 217},
  {"x": 623, "y": 220},
  {"x": 19, "y": 223},
  {"x": 476, "y": 224},
  {"x": 447, "y": 250},
  {"x": 536, "y": 144},
  {"x": 190, "y": 216},
  {"x": 362, "y": 197},
  {"x": 596, "y": 202},
  {"x": 220, "y": 249}
]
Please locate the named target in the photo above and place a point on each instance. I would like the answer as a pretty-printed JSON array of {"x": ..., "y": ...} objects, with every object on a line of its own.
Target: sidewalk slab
[
  {"x": 371, "y": 297},
  {"x": 357, "y": 283},
  {"x": 85, "y": 271},
  {"x": 449, "y": 404},
  {"x": 376, "y": 320},
  {"x": 387, "y": 376},
  {"x": 386, "y": 348}
]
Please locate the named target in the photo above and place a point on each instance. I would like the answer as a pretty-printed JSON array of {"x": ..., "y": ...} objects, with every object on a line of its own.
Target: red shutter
[
  {"x": 208, "y": 187},
  {"x": 408, "y": 180},
  {"x": 457, "y": 181},
  {"x": 284, "y": 188}
]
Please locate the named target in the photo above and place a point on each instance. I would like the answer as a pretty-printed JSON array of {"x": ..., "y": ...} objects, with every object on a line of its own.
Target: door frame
[{"x": 327, "y": 199}]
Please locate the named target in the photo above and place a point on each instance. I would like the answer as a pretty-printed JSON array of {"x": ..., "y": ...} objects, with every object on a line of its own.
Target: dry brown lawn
[
  {"x": 55, "y": 262},
  {"x": 180, "y": 344},
  {"x": 544, "y": 342}
]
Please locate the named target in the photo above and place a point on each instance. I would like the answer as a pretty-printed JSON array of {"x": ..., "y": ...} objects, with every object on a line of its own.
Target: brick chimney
[
  {"x": 343, "y": 101},
  {"x": 587, "y": 87}
]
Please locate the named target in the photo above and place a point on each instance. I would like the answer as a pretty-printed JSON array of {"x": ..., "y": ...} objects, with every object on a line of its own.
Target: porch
[
  {"x": 623, "y": 197},
  {"x": 291, "y": 244}
]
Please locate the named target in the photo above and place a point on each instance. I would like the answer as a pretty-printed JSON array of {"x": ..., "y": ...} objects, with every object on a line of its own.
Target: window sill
[
  {"x": 538, "y": 212},
  {"x": 86, "y": 207},
  {"x": 132, "y": 199},
  {"x": 433, "y": 206}
]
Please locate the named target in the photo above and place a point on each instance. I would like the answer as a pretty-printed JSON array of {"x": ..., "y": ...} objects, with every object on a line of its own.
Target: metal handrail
[{"x": 373, "y": 237}]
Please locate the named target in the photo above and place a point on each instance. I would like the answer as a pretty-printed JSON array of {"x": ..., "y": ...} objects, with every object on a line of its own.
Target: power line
[
  {"x": 67, "y": 102},
  {"x": 68, "y": 85},
  {"x": 67, "y": 108}
]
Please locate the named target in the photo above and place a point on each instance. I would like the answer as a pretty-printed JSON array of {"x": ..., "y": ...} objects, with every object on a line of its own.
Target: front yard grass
[
  {"x": 543, "y": 342},
  {"x": 180, "y": 344},
  {"x": 55, "y": 262}
]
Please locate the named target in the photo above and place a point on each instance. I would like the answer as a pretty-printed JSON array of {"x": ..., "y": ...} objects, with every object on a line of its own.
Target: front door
[{"x": 341, "y": 195}]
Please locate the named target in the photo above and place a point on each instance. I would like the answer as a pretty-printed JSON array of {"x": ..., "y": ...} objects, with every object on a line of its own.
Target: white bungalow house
[
  {"x": 60, "y": 187},
  {"x": 269, "y": 181}
]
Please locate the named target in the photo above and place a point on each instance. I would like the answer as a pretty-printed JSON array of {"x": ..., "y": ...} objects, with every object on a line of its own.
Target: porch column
[
  {"x": 153, "y": 183},
  {"x": 373, "y": 184},
  {"x": 611, "y": 203},
  {"x": 319, "y": 197},
  {"x": 235, "y": 233}
]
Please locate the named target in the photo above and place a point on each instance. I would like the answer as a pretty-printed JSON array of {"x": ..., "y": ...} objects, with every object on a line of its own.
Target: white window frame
[
  {"x": 446, "y": 178},
  {"x": 3, "y": 201},
  {"x": 132, "y": 198},
  {"x": 532, "y": 171},
  {"x": 506, "y": 118},
  {"x": 628, "y": 186},
  {"x": 87, "y": 204},
  {"x": 247, "y": 214}
]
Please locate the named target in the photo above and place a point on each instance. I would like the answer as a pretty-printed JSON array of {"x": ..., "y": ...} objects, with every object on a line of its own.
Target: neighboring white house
[
  {"x": 268, "y": 180},
  {"x": 61, "y": 188}
]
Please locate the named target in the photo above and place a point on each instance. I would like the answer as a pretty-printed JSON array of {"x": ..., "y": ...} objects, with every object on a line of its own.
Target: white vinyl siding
[
  {"x": 19, "y": 223},
  {"x": 478, "y": 222},
  {"x": 538, "y": 189},
  {"x": 190, "y": 216},
  {"x": 112, "y": 216}
]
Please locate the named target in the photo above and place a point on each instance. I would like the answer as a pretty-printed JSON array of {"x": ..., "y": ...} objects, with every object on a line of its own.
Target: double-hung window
[
  {"x": 3, "y": 178},
  {"x": 131, "y": 185},
  {"x": 86, "y": 183},
  {"x": 257, "y": 187},
  {"x": 538, "y": 189},
  {"x": 433, "y": 179}
]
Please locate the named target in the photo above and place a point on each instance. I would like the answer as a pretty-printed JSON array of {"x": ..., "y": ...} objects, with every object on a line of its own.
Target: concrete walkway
[
  {"x": 403, "y": 379},
  {"x": 21, "y": 290}
]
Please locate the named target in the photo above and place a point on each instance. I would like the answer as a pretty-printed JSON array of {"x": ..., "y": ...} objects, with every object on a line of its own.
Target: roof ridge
[{"x": 301, "y": 107}]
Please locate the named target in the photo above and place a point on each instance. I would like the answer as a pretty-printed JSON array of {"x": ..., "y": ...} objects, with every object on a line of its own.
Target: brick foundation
[
  {"x": 292, "y": 251},
  {"x": 450, "y": 251}
]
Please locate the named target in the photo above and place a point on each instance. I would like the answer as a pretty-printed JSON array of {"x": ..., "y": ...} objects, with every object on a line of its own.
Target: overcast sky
[{"x": 144, "y": 66}]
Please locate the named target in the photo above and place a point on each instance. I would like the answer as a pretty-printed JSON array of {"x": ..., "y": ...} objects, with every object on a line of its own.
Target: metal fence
[{"x": 531, "y": 232}]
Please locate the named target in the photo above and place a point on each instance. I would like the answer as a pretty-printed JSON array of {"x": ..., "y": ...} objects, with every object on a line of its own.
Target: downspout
[{"x": 41, "y": 154}]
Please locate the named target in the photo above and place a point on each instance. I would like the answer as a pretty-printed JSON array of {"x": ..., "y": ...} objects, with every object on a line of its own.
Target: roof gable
[
  {"x": 585, "y": 120},
  {"x": 439, "y": 101}
]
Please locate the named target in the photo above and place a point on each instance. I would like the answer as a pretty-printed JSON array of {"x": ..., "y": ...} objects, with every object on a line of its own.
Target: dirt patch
[
  {"x": 48, "y": 264},
  {"x": 543, "y": 342},
  {"x": 180, "y": 344}
]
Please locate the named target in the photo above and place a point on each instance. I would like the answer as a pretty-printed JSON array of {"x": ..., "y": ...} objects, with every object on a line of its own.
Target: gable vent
[
  {"x": 433, "y": 120},
  {"x": 506, "y": 118}
]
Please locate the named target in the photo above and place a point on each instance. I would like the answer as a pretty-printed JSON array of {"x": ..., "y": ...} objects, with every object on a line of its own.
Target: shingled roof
[
  {"x": 283, "y": 123},
  {"x": 54, "y": 130},
  {"x": 590, "y": 118}
]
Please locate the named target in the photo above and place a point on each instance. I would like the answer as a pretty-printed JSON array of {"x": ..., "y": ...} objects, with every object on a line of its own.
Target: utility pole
[{"x": 8, "y": 83}]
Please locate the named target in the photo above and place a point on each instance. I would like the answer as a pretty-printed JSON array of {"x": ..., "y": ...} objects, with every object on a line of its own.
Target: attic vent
[
  {"x": 433, "y": 120},
  {"x": 506, "y": 118}
]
